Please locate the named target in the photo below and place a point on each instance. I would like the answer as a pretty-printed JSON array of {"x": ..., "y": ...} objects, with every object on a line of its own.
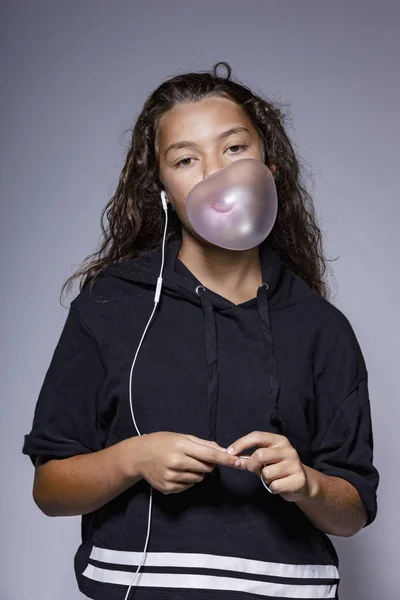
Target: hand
[
  {"x": 278, "y": 463},
  {"x": 174, "y": 462}
]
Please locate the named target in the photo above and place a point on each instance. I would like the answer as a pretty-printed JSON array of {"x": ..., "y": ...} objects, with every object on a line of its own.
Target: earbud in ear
[{"x": 164, "y": 200}]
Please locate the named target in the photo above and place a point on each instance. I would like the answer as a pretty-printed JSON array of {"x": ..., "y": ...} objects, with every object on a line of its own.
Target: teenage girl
[{"x": 205, "y": 410}]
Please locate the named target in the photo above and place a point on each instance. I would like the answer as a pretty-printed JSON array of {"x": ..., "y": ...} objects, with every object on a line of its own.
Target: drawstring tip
[{"x": 275, "y": 420}]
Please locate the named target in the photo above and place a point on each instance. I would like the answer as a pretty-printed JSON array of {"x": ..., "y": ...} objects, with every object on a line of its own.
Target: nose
[{"x": 212, "y": 167}]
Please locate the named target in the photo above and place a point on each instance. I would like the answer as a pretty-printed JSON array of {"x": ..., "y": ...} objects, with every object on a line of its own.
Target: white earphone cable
[{"x": 156, "y": 301}]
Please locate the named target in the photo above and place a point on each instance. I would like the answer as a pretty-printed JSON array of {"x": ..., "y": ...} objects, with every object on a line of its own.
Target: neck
[{"x": 232, "y": 274}]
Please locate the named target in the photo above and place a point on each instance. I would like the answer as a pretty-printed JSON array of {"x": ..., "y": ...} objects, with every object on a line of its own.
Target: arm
[
  {"x": 83, "y": 483},
  {"x": 338, "y": 492},
  {"x": 74, "y": 473},
  {"x": 332, "y": 504},
  {"x": 342, "y": 478},
  {"x": 170, "y": 462}
]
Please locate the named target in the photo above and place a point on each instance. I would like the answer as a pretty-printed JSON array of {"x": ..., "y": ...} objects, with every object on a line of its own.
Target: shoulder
[
  {"x": 332, "y": 335},
  {"x": 104, "y": 299},
  {"x": 312, "y": 306}
]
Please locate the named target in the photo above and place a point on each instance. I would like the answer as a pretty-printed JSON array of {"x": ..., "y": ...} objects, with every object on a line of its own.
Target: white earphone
[
  {"x": 156, "y": 300},
  {"x": 164, "y": 200},
  {"x": 265, "y": 484}
]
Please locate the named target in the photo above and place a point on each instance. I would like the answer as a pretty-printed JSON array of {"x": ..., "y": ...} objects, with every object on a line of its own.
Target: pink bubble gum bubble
[{"x": 236, "y": 207}]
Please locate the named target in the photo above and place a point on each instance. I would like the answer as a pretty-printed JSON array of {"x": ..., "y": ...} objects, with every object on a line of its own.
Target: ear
[
  {"x": 164, "y": 200},
  {"x": 272, "y": 166},
  {"x": 167, "y": 199}
]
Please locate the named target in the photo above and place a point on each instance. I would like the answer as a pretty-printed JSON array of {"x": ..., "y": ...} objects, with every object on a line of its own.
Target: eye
[
  {"x": 235, "y": 146},
  {"x": 177, "y": 165}
]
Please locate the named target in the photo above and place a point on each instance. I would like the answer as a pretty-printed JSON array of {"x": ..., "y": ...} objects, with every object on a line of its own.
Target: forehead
[{"x": 198, "y": 120}]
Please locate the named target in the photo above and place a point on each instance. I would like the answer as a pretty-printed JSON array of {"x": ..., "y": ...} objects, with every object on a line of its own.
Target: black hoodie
[{"x": 286, "y": 361}]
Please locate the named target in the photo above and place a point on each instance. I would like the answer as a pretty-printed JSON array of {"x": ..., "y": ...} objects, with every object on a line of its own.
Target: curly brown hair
[{"x": 135, "y": 214}]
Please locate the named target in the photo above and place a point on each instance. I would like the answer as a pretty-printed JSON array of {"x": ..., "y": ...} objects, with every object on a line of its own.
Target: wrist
[
  {"x": 129, "y": 452},
  {"x": 314, "y": 484}
]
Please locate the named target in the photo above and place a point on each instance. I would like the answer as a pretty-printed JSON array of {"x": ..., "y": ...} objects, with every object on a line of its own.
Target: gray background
[{"x": 73, "y": 77}]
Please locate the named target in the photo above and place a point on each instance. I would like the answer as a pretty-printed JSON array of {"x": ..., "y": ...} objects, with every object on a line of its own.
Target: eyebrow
[{"x": 221, "y": 136}]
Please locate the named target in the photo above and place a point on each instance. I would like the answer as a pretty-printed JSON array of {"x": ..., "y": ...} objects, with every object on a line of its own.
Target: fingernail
[
  {"x": 237, "y": 463},
  {"x": 231, "y": 450}
]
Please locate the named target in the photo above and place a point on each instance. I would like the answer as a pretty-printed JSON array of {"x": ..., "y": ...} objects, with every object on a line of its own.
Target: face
[{"x": 196, "y": 140}]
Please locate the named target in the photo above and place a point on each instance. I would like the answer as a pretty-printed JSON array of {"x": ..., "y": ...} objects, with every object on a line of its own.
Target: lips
[{"x": 221, "y": 207}]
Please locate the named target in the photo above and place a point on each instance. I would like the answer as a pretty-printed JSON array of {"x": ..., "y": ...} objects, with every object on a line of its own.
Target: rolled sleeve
[
  {"x": 346, "y": 449},
  {"x": 66, "y": 416},
  {"x": 341, "y": 431}
]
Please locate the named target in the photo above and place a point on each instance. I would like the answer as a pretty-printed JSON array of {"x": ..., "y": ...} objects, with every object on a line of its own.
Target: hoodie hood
[
  {"x": 179, "y": 281},
  {"x": 177, "y": 278}
]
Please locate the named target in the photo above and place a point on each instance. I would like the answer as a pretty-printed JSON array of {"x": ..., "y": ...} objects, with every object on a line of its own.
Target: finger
[
  {"x": 256, "y": 438},
  {"x": 208, "y": 454},
  {"x": 276, "y": 471},
  {"x": 267, "y": 456},
  {"x": 204, "y": 442},
  {"x": 286, "y": 485},
  {"x": 188, "y": 477},
  {"x": 194, "y": 465},
  {"x": 244, "y": 460},
  {"x": 178, "y": 488}
]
